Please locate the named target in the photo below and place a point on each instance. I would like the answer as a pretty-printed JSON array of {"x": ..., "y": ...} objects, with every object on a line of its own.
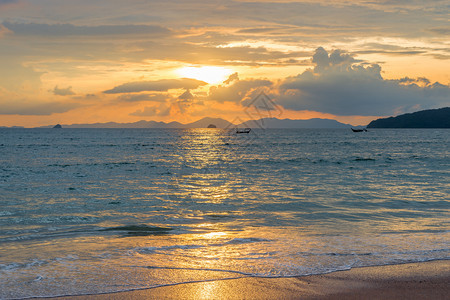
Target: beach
[{"x": 426, "y": 280}]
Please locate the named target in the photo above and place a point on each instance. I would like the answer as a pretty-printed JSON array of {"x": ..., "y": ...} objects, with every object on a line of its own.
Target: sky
[{"x": 90, "y": 61}]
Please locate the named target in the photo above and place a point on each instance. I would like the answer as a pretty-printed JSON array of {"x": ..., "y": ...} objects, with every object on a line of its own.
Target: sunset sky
[{"x": 87, "y": 61}]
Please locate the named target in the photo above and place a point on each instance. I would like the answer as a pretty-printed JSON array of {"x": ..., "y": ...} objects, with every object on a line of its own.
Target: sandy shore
[{"x": 429, "y": 280}]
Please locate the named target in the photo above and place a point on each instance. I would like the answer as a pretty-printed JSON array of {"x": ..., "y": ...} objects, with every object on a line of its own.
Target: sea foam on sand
[{"x": 427, "y": 280}]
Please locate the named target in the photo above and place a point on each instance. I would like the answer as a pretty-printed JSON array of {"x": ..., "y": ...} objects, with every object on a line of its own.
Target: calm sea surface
[{"x": 85, "y": 211}]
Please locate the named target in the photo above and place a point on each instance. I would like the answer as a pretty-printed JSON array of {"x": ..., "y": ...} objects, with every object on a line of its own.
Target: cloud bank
[{"x": 339, "y": 85}]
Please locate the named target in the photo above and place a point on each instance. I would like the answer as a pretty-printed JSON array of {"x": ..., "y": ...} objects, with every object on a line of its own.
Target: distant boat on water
[
  {"x": 245, "y": 130},
  {"x": 359, "y": 130}
]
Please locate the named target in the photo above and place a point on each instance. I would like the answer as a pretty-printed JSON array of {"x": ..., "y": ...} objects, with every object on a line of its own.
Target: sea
[{"x": 89, "y": 211}]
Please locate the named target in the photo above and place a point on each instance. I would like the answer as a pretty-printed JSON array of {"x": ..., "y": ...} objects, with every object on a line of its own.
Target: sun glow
[{"x": 209, "y": 74}]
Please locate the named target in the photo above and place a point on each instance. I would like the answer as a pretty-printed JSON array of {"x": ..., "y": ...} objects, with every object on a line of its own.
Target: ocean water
[{"x": 86, "y": 211}]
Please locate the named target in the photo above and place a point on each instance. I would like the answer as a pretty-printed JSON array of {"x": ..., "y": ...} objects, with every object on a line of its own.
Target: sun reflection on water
[
  {"x": 207, "y": 290},
  {"x": 213, "y": 235},
  {"x": 203, "y": 174}
]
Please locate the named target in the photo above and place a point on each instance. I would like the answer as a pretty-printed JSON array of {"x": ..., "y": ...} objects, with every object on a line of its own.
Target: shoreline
[{"x": 423, "y": 280}]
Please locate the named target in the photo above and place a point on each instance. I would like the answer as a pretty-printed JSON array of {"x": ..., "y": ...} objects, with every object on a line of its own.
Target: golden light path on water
[
  {"x": 207, "y": 183},
  {"x": 203, "y": 175}
]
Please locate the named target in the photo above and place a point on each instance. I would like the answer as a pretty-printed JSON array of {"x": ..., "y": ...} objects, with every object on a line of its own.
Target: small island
[
  {"x": 57, "y": 126},
  {"x": 430, "y": 118},
  {"x": 212, "y": 126}
]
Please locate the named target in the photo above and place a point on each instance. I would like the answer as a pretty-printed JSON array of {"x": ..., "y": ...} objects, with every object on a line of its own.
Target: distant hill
[
  {"x": 219, "y": 123},
  {"x": 288, "y": 123},
  {"x": 431, "y": 118},
  {"x": 205, "y": 122},
  {"x": 139, "y": 124}
]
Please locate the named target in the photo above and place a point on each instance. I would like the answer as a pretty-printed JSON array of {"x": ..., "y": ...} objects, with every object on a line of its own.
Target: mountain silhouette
[
  {"x": 431, "y": 118},
  {"x": 219, "y": 123}
]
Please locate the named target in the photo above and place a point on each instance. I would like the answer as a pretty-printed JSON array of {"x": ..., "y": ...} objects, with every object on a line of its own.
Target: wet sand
[{"x": 428, "y": 280}]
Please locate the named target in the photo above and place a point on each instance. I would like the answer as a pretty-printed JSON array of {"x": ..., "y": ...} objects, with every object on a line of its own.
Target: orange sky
[{"x": 353, "y": 61}]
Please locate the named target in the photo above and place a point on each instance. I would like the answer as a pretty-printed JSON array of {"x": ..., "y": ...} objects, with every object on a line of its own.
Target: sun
[{"x": 209, "y": 74}]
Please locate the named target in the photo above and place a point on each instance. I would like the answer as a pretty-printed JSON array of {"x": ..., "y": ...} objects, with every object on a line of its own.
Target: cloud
[
  {"x": 231, "y": 78},
  {"x": 157, "y": 85},
  {"x": 152, "y": 111},
  {"x": 235, "y": 90},
  {"x": 422, "y": 81},
  {"x": 336, "y": 60},
  {"x": 8, "y": 2},
  {"x": 196, "y": 51},
  {"x": 30, "y": 108},
  {"x": 393, "y": 53},
  {"x": 16, "y": 77},
  {"x": 339, "y": 86},
  {"x": 160, "y": 97},
  {"x": 3, "y": 31},
  {"x": 35, "y": 29},
  {"x": 440, "y": 31},
  {"x": 63, "y": 92},
  {"x": 281, "y": 30}
]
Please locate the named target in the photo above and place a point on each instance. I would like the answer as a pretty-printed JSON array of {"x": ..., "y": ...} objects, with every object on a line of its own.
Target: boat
[
  {"x": 245, "y": 130},
  {"x": 359, "y": 130}
]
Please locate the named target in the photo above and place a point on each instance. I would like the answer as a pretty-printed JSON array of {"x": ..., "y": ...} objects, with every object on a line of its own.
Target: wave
[
  {"x": 140, "y": 230},
  {"x": 35, "y": 263},
  {"x": 341, "y": 158},
  {"x": 238, "y": 241},
  {"x": 199, "y": 269},
  {"x": 151, "y": 250},
  {"x": 364, "y": 159},
  {"x": 167, "y": 249},
  {"x": 93, "y": 164}
]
